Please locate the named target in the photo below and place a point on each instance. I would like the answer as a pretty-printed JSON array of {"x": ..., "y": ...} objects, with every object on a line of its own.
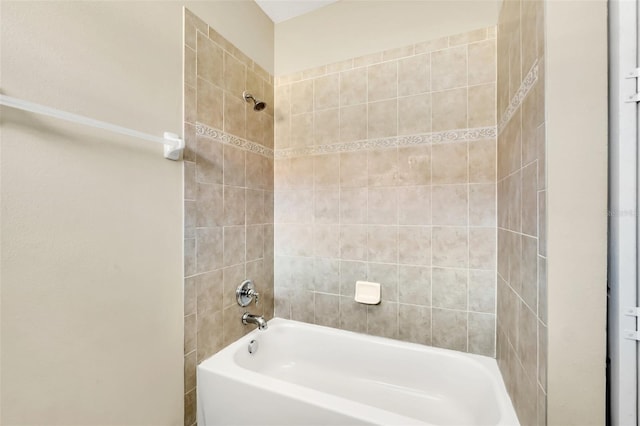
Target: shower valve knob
[{"x": 246, "y": 292}]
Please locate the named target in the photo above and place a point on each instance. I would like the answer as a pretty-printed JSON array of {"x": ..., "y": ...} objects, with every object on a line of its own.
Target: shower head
[{"x": 257, "y": 105}]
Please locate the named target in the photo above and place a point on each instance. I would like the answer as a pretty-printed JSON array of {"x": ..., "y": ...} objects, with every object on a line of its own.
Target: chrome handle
[{"x": 246, "y": 292}]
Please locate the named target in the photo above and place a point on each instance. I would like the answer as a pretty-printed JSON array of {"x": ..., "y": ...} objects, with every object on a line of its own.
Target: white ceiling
[{"x": 281, "y": 10}]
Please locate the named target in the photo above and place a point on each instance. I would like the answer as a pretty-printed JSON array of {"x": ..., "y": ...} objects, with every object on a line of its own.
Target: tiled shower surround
[
  {"x": 228, "y": 195},
  {"x": 386, "y": 171},
  {"x": 522, "y": 296}
]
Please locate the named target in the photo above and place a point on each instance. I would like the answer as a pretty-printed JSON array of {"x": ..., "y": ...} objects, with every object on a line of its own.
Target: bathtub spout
[{"x": 247, "y": 318}]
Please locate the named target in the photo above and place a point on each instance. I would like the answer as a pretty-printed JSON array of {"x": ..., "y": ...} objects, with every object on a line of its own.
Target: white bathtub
[{"x": 305, "y": 374}]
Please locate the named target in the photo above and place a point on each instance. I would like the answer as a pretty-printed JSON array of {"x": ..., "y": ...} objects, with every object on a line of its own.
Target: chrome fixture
[
  {"x": 257, "y": 105},
  {"x": 247, "y": 318},
  {"x": 246, "y": 292}
]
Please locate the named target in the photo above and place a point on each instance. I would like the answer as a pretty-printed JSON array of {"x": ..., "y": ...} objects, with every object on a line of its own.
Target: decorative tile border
[
  {"x": 526, "y": 86},
  {"x": 450, "y": 136},
  {"x": 228, "y": 139}
]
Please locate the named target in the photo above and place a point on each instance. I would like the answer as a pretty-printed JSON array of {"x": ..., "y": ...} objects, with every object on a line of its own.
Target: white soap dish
[{"x": 367, "y": 293}]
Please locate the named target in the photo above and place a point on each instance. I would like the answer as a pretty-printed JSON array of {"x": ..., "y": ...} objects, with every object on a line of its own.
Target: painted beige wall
[
  {"x": 576, "y": 100},
  {"x": 91, "y": 226},
  {"x": 351, "y": 28}
]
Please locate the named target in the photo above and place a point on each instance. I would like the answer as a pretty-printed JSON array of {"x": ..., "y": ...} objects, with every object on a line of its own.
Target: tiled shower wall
[
  {"x": 386, "y": 171},
  {"x": 228, "y": 175},
  {"x": 522, "y": 296}
]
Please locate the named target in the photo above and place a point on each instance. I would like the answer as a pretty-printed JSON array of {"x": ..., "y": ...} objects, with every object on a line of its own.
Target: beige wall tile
[
  {"x": 431, "y": 45},
  {"x": 254, "y": 170},
  {"x": 482, "y": 205},
  {"x": 301, "y": 172},
  {"x": 449, "y": 109},
  {"x": 414, "y": 75},
  {"x": 192, "y": 25},
  {"x": 255, "y": 85},
  {"x": 209, "y": 104},
  {"x": 326, "y": 170},
  {"x": 256, "y": 126},
  {"x": 353, "y": 315},
  {"x": 190, "y": 330},
  {"x": 382, "y": 119},
  {"x": 382, "y": 167},
  {"x": 365, "y": 60},
  {"x": 482, "y": 105},
  {"x": 482, "y": 161},
  {"x": 449, "y": 68},
  {"x": 353, "y": 87},
  {"x": 234, "y": 166},
  {"x": 234, "y": 245},
  {"x": 414, "y": 245},
  {"x": 340, "y": 66},
  {"x": 209, "y": 161},
  {"x": 449, "y": 288},
  {"x": 255, "y": 242},
  {"x": 303, "y": 306},
  {"x": 326, "y": 206},
  {"x": 382, "y": 81},
  {"x": 482, "y": 334},
  {"x": 414, "y": 205},
  {"x": 302, "y": 97},
  {"x": 209, "y": 205},
  {"x": 449, "y": 329},
  {"x": 235, "y": 75},
  {"x": 382, "y": 320},
  {"x": 302, "y": 130},
  {"x": 482, "y": 248},
  {"x": 449, "y": 163},
  {"x": 190, "y": 66},
  {"x": 353, "y": 205},
  {"x": 209, "y": 60},
  {"x": 450, "y": 205},
  {"x": 350, "y": 272},
  {"x": 399, "y": 52},
  {"x": 255, "y": 207},
  {"x": 233, "y": 328},
  {"x": 314, "y": 72},
  {"x": 482, "y": 62},
  {"x": 190, "y": 407},
  {"x": 414, "y": 285},
  {"x": 382, "y": 206},
  {"x": 190, "y": 363},
  {"x": 326, "y": 92},
  {"x": 190, "y": 256},
  {"x": 326, "y": 241},
  {"x": 353, "y": 123},
  {"x": 414, "y": 324},
  {"x": 449, "y": 247},
  {"x": 189, "y": 296},
  {"x": 231, "y": 279},
  {"x": 353, "y": 169},
  {"x": 382, "y": 243},
  {"x": 190, "y": 105},
  {"x": 529, "y": 271},
  {"x": 530, "y": 199},
  {"x": 234, "y": 115},
  {"x": 209, "y": 291},
  {"x": 414, "y": 165},
  {"x": 414, "y": 114},
  {"x": 327, "y": 307},
  {"x": 326, "y": 275},
  {"x": 233, "y": 205},
  {"x": 209, "y": 338},
  {"x": 387, "y": 276},
  {"x": 326, "y": 126},
  {"x": 482, "y": 291},
  {"x": 353, "y": 242},
  {"x": 468, "y": 37}
]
